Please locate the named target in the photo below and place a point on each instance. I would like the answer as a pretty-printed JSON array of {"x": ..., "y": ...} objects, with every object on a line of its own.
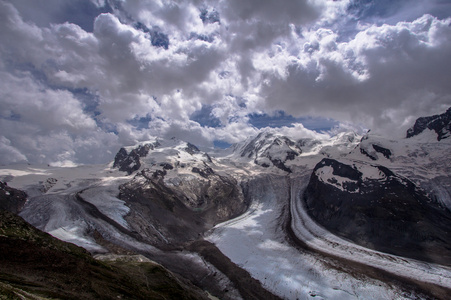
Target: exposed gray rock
[
  {"x": 441, "y": 124},
  {"x": 384, "y": 151},
  {"x": 176, "y": 210},
  {"x": 389, "y": 214},
  {"x": 130, "y": 162}
]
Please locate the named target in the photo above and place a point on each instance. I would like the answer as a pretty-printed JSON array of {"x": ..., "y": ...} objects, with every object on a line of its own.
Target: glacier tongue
[{"x": 256, "y": 241}]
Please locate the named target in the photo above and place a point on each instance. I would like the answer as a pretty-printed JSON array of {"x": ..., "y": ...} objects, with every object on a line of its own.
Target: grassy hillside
[{"x": 35, "y": 265}]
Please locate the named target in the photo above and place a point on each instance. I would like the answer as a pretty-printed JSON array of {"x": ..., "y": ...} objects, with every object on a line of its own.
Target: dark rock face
[
  {"x": 172, "y": 212},
  {"x": 373, "y": 150},
  {"x": 384, "y": 151},
  {"x": 11, "y": 199},
  {"x": 280, "y": 164},
  {"x": 130, "y": 162},
  {"x": 166, "y": 166},
  {"x": 205, "y": 172},
  {"x": 441, "y": 124},
  {"x": 191, "y": 149},
  {"x": 364, "y": 152},
  {"x": 386, "y": 213}
]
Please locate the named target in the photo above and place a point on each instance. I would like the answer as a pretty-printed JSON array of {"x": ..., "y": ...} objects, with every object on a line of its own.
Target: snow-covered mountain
[
  {"x": 270, "y": 150},
  {"x": 181, "y": 184},
  {"x": 441, "y": 124},
  {"x": 376, "y": 208},
  {"x": 165, "y": 153},
  {"x": 295, "y": 217}
]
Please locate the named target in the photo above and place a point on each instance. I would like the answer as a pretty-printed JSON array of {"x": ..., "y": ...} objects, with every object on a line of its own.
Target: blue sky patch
[
  {"x": 140, "y": 123},
  {"x": 280, "y": 119},
  {"x": 221, "y": 144},
  {"x": 205, "y": 118}
]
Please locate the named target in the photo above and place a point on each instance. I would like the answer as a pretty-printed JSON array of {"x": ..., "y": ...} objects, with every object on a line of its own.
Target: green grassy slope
[{"x": 35, "y": 265}]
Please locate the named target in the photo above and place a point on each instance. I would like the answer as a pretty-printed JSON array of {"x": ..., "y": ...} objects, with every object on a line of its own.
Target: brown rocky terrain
[{"x": 35, "y": 265}]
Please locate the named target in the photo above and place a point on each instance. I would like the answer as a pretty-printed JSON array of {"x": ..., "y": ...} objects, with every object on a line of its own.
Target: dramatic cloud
[
  {"x": 79, "y": 79},
  {"x": 386, "y": 73}
]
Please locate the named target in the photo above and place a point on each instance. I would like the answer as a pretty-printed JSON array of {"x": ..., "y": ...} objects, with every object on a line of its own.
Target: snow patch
[
  {"x": 74, "y": 235},
  {"x": 370, "y": 172},
  {"x": 325, "y": 174}
]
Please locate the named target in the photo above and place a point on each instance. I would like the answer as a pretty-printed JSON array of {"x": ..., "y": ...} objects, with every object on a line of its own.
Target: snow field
[{"x": 104, "y": 199}]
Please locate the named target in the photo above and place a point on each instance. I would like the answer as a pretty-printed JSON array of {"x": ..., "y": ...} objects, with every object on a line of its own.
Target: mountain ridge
[{"x": 441, "y": 124}]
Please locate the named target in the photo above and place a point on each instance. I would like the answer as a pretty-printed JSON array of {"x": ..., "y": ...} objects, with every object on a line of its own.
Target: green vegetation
[{"x": 35, "y": 265}]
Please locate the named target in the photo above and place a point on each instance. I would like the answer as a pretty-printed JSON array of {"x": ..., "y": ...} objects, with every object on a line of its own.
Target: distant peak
[{"x": 441, "y": 124}]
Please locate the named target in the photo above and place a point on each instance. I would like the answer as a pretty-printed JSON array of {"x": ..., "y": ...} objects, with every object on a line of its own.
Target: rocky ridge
[
  {"x": 441, "y": 124},
  {"x": 378, "y": 209}
]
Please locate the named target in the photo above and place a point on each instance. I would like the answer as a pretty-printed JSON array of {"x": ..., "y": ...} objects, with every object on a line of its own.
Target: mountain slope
[
  {"x": 266, "y": 150},
  {"x": 175, "y": 194},
  {"x": 441, "y": 124},
  {"x": 274, "y": 152},
  {"x": 171, "y": 211},
  {"x": 378, "y": 209},
  {"x": 34, "y": 264},
  {"x": 11, "y": 199}
]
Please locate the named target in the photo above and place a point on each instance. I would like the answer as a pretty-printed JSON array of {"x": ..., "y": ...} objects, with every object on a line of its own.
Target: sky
[{"x": 81, "y": 78}]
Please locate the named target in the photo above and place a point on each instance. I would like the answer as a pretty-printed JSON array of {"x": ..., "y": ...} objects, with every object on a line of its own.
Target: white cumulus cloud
[{"x": 81, "y": 78}]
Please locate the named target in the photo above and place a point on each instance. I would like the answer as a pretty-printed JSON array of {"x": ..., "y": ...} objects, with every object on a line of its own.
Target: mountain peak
[
  {"x": 268, "y": 149},
  {"x": 161, "y": 152},
  {"x": 128, "y": 159},
  {"x": 441, "y": 124}
]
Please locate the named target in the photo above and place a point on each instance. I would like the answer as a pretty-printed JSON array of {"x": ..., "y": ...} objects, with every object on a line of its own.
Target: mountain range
[{"x": 271, "y": 217}]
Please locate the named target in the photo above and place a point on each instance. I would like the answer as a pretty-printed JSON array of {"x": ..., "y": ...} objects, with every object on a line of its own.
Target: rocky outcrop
[
  {"x": 170, "y": 153},
  {"x": 176, "y": 195},
  {"x": 365, "y": 152},
  {"x": 384, "y": 151},
  {"x": 441, "y": 124},
  {"x": 191, "y": 149},
  {"x": 11, "y": 199},
  {"x": 373, "y": 148},
  {"x": 376, "y": 208},
  {"x": 130, "y": 162},
  {"x": 175, "y": 210}
]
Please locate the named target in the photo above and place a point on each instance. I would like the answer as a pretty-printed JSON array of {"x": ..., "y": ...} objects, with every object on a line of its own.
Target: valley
[{"x": 272, "y": 217}]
